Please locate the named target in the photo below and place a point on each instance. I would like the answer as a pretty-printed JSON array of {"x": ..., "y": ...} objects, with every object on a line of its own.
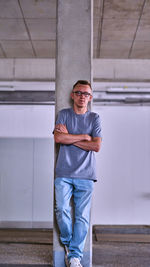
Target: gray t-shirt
[{"x": 72, "y": 161}]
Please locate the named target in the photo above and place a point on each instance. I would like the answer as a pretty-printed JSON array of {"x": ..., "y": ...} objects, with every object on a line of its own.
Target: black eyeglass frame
[{"x": 79, "y": 93}]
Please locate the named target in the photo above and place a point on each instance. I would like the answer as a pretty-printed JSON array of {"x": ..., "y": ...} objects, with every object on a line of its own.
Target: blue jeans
[{"x": 73, "y": 235}]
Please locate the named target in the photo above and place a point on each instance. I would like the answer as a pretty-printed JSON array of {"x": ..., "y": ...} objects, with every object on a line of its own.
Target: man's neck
[{"x": 78, "y": 110}]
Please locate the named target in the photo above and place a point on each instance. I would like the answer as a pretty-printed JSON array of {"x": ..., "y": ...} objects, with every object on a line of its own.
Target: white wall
[
  {"x": 26, "y": 166},
  {"x": 121, "y": 194},
  {"x": 26, "y": 121}
]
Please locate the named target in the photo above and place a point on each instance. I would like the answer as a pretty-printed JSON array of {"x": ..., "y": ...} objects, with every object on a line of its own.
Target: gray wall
[{"x": 103, "y": 69}]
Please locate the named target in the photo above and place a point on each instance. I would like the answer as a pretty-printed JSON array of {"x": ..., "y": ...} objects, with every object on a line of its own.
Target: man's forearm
[
  {"x": 89, "y": 145},
  {"x": 66, "y": 138}
]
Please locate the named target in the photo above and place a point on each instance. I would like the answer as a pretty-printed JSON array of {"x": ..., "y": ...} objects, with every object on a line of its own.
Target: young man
[{"x": 78, "y": 132}]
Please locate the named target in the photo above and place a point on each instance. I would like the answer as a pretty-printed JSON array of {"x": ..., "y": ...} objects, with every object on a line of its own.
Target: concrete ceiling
[{"x": 121, "y": 29}]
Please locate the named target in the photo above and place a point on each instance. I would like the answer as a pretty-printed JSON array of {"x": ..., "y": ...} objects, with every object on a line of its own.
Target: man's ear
[
  {"x": 72, "y": 95},
  {"x": 90, "y": 98}
]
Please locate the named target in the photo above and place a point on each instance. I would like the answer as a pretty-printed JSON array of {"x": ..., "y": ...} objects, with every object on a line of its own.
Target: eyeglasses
[{"x": 79, "y": 93}]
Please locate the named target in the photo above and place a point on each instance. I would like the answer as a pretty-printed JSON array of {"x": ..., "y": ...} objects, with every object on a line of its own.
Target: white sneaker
[{"x": 75, "y": 262}]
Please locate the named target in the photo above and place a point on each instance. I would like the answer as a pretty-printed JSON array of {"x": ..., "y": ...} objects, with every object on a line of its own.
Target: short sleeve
[
  {"x": 96, "y": 132},
  {"x": 60, "y": 118}
]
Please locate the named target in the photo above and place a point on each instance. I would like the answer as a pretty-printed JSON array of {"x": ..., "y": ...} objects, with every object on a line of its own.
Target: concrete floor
[{"x": 22, "y": 248}]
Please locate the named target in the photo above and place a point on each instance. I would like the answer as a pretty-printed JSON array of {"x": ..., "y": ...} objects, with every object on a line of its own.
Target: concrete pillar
[{"x": 73, "y": 62}]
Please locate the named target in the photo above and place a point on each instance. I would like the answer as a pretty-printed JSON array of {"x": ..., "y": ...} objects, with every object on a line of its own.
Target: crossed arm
[{"x": 83, "y": 141}]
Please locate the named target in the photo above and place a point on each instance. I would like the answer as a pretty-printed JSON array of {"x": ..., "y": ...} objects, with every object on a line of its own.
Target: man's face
[{"x": 81, "y": 95}]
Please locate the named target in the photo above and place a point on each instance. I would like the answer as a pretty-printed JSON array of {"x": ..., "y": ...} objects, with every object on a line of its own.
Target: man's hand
[
  {"x": 87, "y": 138},
  {"x": 61, "y": 128},
  {"x": 62, "y": 136}
]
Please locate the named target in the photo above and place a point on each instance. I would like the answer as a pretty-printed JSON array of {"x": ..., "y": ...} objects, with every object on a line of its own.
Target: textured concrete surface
[
  {"x": 103, "y": 69},
  {"x": 74, "y": 52},
  {"x": 124, "y": 25},
  {"x": 118, "y": 254},
  {"x": 107, "y": 254},
  {"x": 25, "y": 253},
  {"x": 15, "y": 252}
]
